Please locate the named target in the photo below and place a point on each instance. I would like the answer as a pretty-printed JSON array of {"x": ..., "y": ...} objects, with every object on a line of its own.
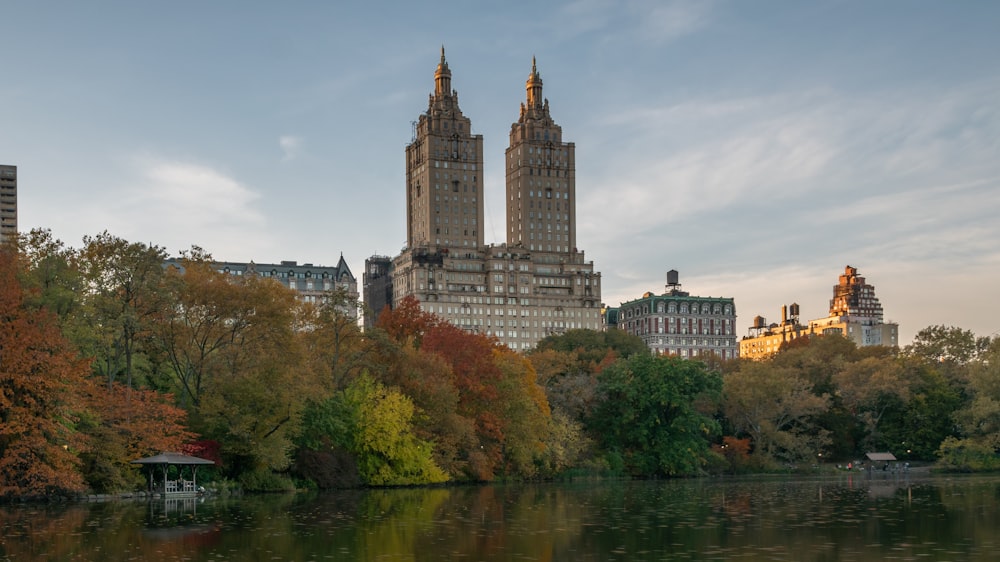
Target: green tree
[
  {"x": 776, "y": 407},
  {"x": 918, "y": 426},
  {"x": 373, "y": 424},
  {"x": 229, "y": 345},
  {"x": 868, "y": 389},
  {"x": 654, "y": 413},
  {"x": 50, "y": 276},
  {"x": 979, "y": 421},
  {"x": 333, "y": 342},
  {"x": 123, "y": 291},
  {"x": 594, "y": 346}
]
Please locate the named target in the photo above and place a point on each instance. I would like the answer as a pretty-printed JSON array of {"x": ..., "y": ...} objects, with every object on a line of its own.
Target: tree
[
  {"x": 525, "y": 411},
  {"x": 917, "y": 427},
  {"x": 123, "y": 290},
  {"x": 776, "y": 407},
  {"x": 373, "y": 424},
  {"x": 869, "y": 388},
  {"x": 980, "y": 420},
  {"x": 947, "y": 344},
  {"x": 230, "y": 347},
  {"x": 593, "y": 346},
  {"x": 655, "y": 413},
  {"x": 333, "y": 342},
  {"x": 570, "y": 384},
  {"x": 50, "y": 276},
  {"x": 146, "y": 424},
  {"x": 41, "y": 381}
]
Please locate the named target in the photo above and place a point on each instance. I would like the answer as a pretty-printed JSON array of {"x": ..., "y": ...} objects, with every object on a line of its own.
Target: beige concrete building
[
  {"x": 855, "y": 313},
  {"x": 537, "y": 283},
  {"x": 8, "y": 202}
]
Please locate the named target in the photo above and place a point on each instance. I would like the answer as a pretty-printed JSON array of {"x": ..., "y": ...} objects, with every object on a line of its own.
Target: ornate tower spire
[
  {"x": 442, "y": 77},
  {"x": 444, "y": 166},
  {"x": 534, "y": 86}
]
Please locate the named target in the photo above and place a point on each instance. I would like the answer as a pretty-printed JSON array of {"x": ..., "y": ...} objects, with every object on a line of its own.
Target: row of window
[
  {"x": 685, "y": 308},
  {"x": 463, "y": 310},
  {"x": 722, "y": 342}
]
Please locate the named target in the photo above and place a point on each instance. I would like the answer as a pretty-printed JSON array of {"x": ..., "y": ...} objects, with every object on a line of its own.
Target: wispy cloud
[
  {"x": 178, "y": 204},
  {"x": 664, "y": 21},
  {"x": 290, "y": 146},
  {"x": 653, "y": 20}
]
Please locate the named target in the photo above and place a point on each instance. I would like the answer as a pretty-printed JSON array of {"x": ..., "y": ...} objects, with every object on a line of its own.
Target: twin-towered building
[{"x": 537, "y": 283}]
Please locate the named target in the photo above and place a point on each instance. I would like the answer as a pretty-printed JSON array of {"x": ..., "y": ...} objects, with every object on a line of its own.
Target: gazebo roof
[
  {"x": 881, "y": 456},
  {"x": 173, "y": 458}
]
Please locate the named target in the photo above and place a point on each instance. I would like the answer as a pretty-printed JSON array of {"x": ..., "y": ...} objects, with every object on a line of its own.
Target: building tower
[
  {"x": 444, "y": 169},
  {"x": 8, "y": 202},
  {"x": 541, "y": 178},
  {"x": 855, "y": 299},
  {"x": 534, "y": 285}
]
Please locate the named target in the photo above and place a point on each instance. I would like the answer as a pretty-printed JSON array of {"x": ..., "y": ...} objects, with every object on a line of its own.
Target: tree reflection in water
[{"x": 850, "y": 517}]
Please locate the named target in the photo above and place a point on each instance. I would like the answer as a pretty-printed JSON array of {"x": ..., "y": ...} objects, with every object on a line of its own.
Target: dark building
[
  {"x": 377, "y": 287},
  {"x": 8, "y": 202}
]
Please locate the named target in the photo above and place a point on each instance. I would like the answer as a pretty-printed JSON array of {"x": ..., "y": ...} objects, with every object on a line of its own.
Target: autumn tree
[
  {"x": 482, "y": 436},
  {"x": 229, "y": 346},
  {"x": 654, "y": 413},
  {"x": 776, "y": 407},
  {"x": 332, "y": 341},
  {"x": 476, "y": 376},
  {"x": 568, "y": 364},
  {"x": 526, "y": 413},
  {"x": 127, "y": 429},
  {"x": 41, "y": 381},
  {"x": 569, "y": 381},
  {"x": 373, "y": 424}
]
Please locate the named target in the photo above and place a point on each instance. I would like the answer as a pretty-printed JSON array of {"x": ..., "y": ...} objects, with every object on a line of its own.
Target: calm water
[{"x": 841, "y": 518}]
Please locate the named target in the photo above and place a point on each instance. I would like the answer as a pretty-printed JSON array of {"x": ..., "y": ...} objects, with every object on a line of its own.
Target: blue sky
[{"x": 756, "y": 147}]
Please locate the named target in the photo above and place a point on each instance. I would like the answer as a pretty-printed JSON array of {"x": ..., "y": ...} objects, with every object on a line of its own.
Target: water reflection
[{"x": 851, "y": 517}]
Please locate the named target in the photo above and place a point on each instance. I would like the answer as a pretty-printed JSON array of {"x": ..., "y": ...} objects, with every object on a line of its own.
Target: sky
[{"x": 756, "y": 147}]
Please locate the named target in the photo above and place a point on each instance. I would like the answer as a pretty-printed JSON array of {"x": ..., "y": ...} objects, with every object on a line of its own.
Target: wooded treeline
[{"x": 107, "y": 356}]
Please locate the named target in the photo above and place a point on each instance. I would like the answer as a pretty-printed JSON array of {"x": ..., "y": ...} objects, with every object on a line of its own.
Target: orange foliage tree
[
  {"x": 41, "y": 384},
  {"x": 494, "y": 385},
  {"x": 144, "y": 424}
]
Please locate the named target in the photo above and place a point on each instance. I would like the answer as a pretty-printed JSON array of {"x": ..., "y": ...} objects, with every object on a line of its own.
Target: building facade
[
  {"x": 377, "y": 287},
  {"x": 8, "y": 202},
  {"x": 311, "y": 282},
  {"x": 855, "y": 313},
  {"x": 676, "y": 323},
  {"x": 537, "y": 283}
]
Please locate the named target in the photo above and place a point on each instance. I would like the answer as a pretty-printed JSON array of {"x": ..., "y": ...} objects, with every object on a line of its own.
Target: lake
[{"x": 843, "y": 517}]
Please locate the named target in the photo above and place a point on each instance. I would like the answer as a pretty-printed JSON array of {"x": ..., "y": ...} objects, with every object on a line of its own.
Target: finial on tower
[
  {"x": 534, "y": 86},
  {"x": 442, "y": 77}
]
